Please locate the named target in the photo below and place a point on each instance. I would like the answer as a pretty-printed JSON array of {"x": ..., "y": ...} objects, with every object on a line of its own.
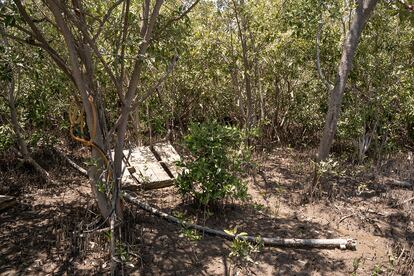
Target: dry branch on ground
[{"x": 278, "y": 242}]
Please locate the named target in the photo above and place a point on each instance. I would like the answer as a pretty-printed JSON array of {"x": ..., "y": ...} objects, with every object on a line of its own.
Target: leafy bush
[
  {"x": 6, "y": 137},
  {"x": 218, "y": 155}
]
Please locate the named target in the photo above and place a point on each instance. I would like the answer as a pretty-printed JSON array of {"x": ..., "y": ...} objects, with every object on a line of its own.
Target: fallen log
[
  {"x": 277, "y": 242},
  {"x": 39, "y": 169}
]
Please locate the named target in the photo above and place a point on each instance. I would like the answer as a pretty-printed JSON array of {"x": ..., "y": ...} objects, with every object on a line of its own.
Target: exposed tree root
[{"x": 278, "y": 242}]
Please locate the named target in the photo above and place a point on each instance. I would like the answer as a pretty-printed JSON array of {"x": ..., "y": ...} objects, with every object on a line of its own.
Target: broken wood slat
[
  {"x": 6, "y": 201},
  {"x": 149, "y": 171},
  {"x": 152, "y": 167},
  {"x": 169, "y": 156},
  {"x": 127, "y": 178}
]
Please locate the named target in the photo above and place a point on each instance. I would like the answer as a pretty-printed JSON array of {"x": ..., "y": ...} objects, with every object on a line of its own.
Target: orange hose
[{"x": 87, "y": 143}]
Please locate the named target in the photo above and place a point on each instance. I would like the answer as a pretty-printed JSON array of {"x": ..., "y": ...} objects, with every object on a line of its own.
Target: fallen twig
[
  {"x": 310, "y": 243},
  {"x": 100, "y": 230},
  {"x": 345, "y": 217},
  {"x": 405, "y": 201},
  {"x": 408, "y": 200},
  {"x": 7, "y": 201},
  {"x": 72, "y": 163},
  {"x": 404, "y": 184}
]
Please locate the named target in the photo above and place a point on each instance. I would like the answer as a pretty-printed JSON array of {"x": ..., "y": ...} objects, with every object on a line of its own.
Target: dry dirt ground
[{"x": 51, "y": 229}]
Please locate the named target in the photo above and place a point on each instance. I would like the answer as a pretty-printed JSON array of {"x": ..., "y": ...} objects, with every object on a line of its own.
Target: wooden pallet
[
  {"x": 152, "y": 167},
  {"x": 168, "y": 156}
]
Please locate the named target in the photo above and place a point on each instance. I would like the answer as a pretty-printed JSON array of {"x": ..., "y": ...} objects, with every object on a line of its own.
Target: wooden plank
[
  {"x": 144, "y": 168},
  {"x": 169, "y": 156},
  {"x": 158, "y": 184},
  {"x": 6, "y": 201},
  {"x": 148, "y": 170}
]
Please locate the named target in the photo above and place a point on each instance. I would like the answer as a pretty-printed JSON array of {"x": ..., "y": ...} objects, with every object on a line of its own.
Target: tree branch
[
  {"x": 151, "y": 91},
  {"x": 106, "y": 18},
  {"x": 81, "y": 25},
  {"x": 408, "y": 7},
  {"x": 187, "y": 11},
  {"x": 123, "y": 42},
  {"x": 43, "y": 43},
  {"x": 328, "y": 85}
]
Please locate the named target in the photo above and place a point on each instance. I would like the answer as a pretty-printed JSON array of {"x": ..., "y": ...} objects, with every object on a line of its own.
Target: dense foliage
[
  {"x": 208, "y": 81},
  {"x": 109, "y": 74}
]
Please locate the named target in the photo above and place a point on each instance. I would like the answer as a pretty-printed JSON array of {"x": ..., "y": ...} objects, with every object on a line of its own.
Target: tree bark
[
  {"x": 79, "y": 79},
  {"x": 362, "y": 13}
]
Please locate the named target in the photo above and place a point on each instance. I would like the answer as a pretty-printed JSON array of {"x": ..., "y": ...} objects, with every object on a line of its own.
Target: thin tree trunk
[
  {"x": 235, "y": 80},
  {"x": 363, "y": 11},
  {"x": 101, "y": 198},
  {"x": 15, "y": 121},
  {"x": 242, "y": 28},
  {"x": 19, "y": 137},
  {"x": 257, "y": 74}
]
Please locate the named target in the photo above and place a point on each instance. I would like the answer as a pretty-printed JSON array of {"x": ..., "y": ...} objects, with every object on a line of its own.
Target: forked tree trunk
[
  {"x": 79, "y": 80},
  {"x": 362, "y": 13}
]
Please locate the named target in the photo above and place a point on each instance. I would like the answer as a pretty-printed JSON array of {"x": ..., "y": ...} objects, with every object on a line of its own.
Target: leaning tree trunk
[
  {"x": 362, "y": 13},
  {"x": 11, "y": 97}
]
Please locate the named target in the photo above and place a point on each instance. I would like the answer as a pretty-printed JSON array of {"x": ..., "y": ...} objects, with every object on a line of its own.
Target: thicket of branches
[{"x": 109, "y": 73}]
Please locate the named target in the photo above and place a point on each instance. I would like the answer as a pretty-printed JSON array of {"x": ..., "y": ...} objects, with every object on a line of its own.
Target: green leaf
[{"x": 9, "y": 20}]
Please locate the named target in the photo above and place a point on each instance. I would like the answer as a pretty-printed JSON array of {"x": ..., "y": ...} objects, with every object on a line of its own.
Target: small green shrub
[
  {"x": 214, "y": 172},
  {"x": 190, "y": 234},
  {"x": 6, "y": 137},
  {"x": 243, "y": 249}
]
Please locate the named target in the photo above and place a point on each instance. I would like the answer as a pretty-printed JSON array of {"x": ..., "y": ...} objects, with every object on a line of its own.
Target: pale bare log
[{"x": 278, "y": 242}]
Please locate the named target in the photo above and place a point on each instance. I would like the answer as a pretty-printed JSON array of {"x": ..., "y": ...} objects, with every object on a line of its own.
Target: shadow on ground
[
  {"x": 165, "y": 250},
  {"x": 49, "y": 237},
  {"x": 42, "y": 234},
  {"x": 44, "y": 239}
]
